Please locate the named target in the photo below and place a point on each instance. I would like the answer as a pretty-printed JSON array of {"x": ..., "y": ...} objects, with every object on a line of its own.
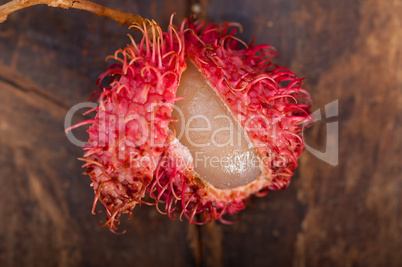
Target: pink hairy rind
[
  {"x": 132, "y": 155},
  {"x": 130, "y": 128},
  {"x": 252, "y": 87},
  {"x": 266, "y": 99}
]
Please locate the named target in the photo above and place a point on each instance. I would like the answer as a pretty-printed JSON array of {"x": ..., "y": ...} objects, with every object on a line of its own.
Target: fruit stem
[{"x": 117, "y": 15}]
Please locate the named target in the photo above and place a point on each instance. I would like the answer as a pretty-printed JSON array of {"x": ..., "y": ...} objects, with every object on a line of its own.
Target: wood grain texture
[{"x": 344, "y": 215}]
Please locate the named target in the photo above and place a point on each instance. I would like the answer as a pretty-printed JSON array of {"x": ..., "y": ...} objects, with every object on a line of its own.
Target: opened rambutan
[{"x": 193, "y": 121}]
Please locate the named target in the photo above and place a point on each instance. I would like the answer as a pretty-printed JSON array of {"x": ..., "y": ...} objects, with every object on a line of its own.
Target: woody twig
[{"x": 122, "y": 18}]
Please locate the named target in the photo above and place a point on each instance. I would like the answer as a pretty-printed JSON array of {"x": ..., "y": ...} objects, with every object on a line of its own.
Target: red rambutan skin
[
  {"x": 265, "y": 99},
  {"x": 132, "y": 154},
  {"x": 130, "y": 129}
]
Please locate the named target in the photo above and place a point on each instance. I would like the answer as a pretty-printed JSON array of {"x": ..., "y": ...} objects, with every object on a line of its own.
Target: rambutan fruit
[{"x": 193, "y": 121}]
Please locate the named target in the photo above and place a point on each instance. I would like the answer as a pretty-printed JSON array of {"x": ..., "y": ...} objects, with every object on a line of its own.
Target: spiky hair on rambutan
[{"x": 133, "y": 156}]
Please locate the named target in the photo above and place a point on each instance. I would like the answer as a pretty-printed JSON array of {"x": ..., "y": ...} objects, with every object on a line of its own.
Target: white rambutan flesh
[{"x": 222, "y": 154}]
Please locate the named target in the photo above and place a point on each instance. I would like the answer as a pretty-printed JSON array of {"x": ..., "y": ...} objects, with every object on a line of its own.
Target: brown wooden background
[{"x": 344, "y": 215}]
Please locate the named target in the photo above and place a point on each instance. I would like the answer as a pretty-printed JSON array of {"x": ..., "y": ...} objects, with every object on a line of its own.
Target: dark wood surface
[{"x": 344, "y": 215}]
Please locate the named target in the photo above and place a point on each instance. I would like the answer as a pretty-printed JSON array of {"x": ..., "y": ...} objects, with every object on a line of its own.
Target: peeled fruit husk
[{"x": 134, "y": 155}]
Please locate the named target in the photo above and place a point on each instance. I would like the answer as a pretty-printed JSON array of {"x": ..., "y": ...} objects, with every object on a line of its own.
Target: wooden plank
[{"x": 344, "y": 215}]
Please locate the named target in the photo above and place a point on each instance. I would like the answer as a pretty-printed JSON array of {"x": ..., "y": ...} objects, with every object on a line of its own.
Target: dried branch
[{"x": 117, "y": 15}]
